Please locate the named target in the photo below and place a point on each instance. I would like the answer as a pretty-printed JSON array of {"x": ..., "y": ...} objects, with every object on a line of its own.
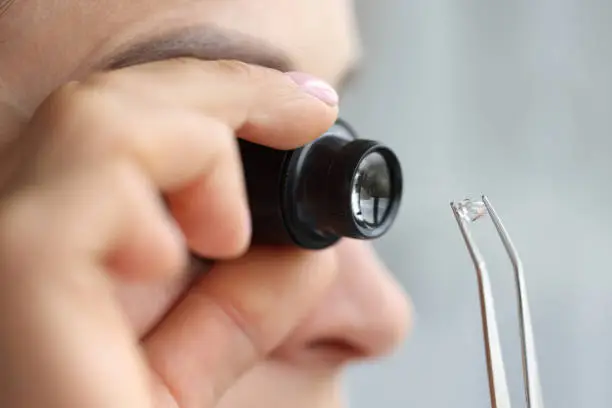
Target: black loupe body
[{"x": 336, "y": 186}]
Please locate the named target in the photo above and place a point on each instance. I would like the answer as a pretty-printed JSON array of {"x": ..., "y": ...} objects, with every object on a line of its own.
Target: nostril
[{"x": 336, "y": 346}]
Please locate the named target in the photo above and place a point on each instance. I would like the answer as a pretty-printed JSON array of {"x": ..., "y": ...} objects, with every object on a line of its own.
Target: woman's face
[{"x": 44, "y": 44}]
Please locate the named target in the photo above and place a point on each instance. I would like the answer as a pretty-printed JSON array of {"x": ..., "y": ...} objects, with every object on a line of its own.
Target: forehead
[{"x": 69, "y": 37}]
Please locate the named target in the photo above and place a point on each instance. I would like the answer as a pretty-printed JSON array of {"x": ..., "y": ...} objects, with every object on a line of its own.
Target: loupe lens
[
  {"x": 371, "y": 195},
  {"x": 365, "y": 190}
]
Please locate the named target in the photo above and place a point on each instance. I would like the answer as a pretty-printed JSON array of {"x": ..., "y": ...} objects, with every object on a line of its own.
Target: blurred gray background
[{"x": 512, "y": 99}]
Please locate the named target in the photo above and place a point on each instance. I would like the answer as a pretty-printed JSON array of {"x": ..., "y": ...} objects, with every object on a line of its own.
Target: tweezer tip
[{"x": 497, "y": 379}]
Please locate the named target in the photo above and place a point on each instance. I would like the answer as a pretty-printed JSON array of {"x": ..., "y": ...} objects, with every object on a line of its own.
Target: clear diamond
[{"x": 470, "y": 210}]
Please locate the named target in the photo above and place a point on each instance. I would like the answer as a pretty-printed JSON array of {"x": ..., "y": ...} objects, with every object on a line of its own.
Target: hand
[{"x": 81, "y": 208}]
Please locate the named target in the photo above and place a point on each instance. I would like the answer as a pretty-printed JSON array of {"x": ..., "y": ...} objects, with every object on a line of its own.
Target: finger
[
  {"x": 148, "y": 242},
  {"x": 213, "y": 211},
  {"x": 263, "y": 105},
  {"x": 233, "y": 318},
  {"x": 60, "y": 312},
  {"x": 64, "y": 342},
  {"x": 109, "y": 212},
  {"x": 189, "y": 156}
]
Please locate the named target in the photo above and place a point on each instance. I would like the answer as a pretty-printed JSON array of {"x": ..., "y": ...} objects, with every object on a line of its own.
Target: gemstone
[{"x": 471, "y": 211}]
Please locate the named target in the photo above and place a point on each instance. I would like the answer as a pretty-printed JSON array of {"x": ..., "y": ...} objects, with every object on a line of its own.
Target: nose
[{"x": 364, "y": 315}]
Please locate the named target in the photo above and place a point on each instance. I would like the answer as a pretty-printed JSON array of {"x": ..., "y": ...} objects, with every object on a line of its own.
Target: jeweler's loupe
[{"x": 336, "y": 186}]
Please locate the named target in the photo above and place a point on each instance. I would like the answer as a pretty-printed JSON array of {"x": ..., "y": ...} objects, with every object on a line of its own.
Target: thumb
[{"x": 232, "y": 319}]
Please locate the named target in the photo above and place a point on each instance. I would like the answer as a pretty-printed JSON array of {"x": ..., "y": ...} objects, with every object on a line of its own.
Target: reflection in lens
[{"x": 371, "y": 191}]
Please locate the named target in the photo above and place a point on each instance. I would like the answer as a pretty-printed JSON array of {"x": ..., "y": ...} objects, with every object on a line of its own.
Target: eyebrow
[{"x": 205, "y": 42}]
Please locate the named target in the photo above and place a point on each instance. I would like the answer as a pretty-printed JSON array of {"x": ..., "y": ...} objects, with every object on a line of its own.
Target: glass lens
[{"x": 371, "y": 195}]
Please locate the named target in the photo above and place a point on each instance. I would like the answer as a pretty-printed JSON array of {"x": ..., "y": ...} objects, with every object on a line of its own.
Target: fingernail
[{"x": 315, "y": 87}]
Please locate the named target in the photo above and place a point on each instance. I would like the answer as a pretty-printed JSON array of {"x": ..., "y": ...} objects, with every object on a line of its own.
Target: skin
[{"x": 101, "y": 305}]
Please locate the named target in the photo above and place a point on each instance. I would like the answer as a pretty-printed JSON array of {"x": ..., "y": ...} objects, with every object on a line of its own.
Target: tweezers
[{"x": 466, "y": 212}]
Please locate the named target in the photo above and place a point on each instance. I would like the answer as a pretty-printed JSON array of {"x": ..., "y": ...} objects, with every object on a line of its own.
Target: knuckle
[
  {"x": 229, "y": 69},
  {"x": 220, "y": 140},
  {"x": 105, "y": 86},
  {"x": 86, "y": 118},
  {"x": 237, "y": 319},
  {"x": 124, "y": 178},
  {"x": 227, "y": 150},
  {"x": 236, "y": 68},
  {"x": 225, "y": 139},
  {"x": 102, "y": 80},
  {"x": 72, "y": 108},
  {"x": 68, "y": 101}
]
